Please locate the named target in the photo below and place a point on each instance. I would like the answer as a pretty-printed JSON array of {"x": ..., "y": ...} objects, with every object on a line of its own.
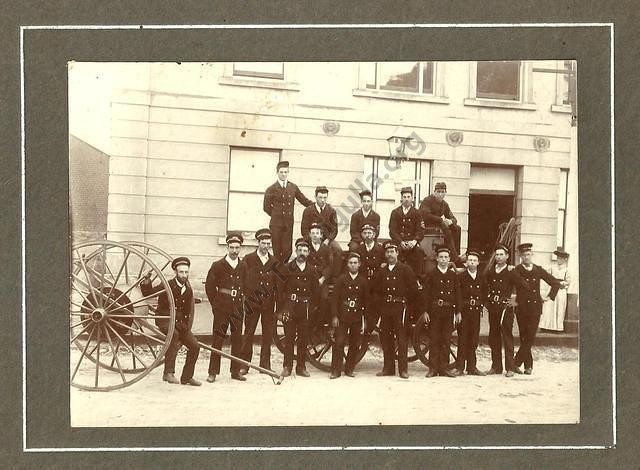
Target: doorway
[{"x": 486, "y": 213}]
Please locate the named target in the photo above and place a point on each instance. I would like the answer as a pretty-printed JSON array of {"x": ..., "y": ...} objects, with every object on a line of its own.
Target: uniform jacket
[
  {"x": 473, "y": 292},
  {"x": 432, "y": 210},
  {"x": 531, "y": 296},
  {"x": 405, "y": 227},
  {"x": 322, "y": 260},
  {"x": 260, "y": 280},
  {"x": 358, "y": 220},
  {"x": 444, "y": 287},
  {"x": 278, "y": 203},
  {"x": 350, "y": 297},
  {"x": 327, "y": 218},
  {"x": 500, "y": 285},
  {"x": 301, "y": 284},
  {"x": 398, "y": 283},
  {"x": 371, "y": 260},
  {"x": 222, "y": 276},
  {"x": 184, "y": 303}
]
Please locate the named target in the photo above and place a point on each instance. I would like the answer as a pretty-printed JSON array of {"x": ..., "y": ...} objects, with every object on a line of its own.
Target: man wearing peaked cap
[
  {"x": 436, "y": 213},
  {"x": 328, "y": 266},
  {"x": 184, "y": 308},
  {"x": 372, "y": 257},
  {"x": 322, "y": 213},
  {"x": 405, "y": 229},
  {"x": 259, "y": 299},
  {"x": 279, "y": 199},
  {"x": 225, "y": 291},
  {"x": 364, "y": 215}
]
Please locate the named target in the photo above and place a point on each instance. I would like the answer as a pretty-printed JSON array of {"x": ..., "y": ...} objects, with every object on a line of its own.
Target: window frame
[
  {"x": 257, "y": 74},
  {"x": 525, "y": 101},
  {"x": 562, "y": 208}
]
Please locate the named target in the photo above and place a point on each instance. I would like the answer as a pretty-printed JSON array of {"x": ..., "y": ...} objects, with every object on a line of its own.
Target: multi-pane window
[
  {"x": 409, "y": 77},
  {"x": 385, "y": 181},
  {"x": 498, "y": 80},
  {"x": 251, "y": 171},
  {"x": 562, "y": 207},
  {"x": 274, "y": 70}
]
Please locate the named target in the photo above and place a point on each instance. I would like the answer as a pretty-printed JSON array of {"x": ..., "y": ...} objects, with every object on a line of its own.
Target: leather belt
[
  {"x": 297, "y": 298},
  {"x": 472, "y": 303},
  {"x": 231, "y": 292},
  {"x": 393, "y": 299},
  {"x": 351, "y": 303},
  {"x": 442, "y": 303},
  {"x": 496, "y": 299}
]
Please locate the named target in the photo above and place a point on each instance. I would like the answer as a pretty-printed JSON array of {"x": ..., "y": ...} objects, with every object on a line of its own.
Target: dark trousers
[
  {"x": 346, "y": 333},
  {"x": 440, "y": 329},
  {"x": 528, "y": 317},
  {"x": 468, "y": 336},
  {"x": 282, "y": 238},
  {"x": 452, "y": 239},
  {"x": 222, "y": 320},
  {"x": 181, "y": 336},
  {"x": 296, "y": 330},
  {"x": 268, "y": 322},
  {"x": 392, "y": 333},
  {"x": 414, "y": 258},
  {"x": 501, "y": 334}
]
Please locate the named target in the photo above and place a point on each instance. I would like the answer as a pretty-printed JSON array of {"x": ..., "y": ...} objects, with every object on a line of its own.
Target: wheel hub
[{"x": 98, "y": 315}]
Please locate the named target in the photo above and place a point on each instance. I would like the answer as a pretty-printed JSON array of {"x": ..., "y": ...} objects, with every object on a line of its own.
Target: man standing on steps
[
  {"x": 500, "y": 284},
  {"x": 364, "y": 215},
  {"x": 435, "y": 212},
  {"x": 405, "y": 229},
  {"x": 184, "y": 307},
  {"x": 225, "y": 291},
  {"x": 530, "y": 304},
  {"x": 278, "y": 202},
  {"x": 259, "y": 299}
]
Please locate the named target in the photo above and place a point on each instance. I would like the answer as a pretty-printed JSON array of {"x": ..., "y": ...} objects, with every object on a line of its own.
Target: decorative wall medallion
[
  {"x": 331, "y": 127},
  {"x": 541, "y": 144},
  {"x": 454, "y": 138}
]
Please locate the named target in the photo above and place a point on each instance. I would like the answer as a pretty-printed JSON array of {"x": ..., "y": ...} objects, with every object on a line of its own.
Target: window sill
[
  {"x": 398, "y": 95},
  {"x": 488, "y": 103},
  {"x": 259, "y": 83},
  {"x": 561, "y": 108}
]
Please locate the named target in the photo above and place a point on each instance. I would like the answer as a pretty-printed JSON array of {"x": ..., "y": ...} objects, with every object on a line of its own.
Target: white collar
[
  {"x": 365, "y": 213},
  {"x": 232, "y": 263},
  {"x": 391, "y": 267},
  {"x": 263, "y": 258},
  {"x": 499, "y": 270},
  {"x": 405, "y": 211},
  {"x": 283, "y": 184},
  {"x": 180, "y": 285},
  {"x": 445, "y": 269},
  {"x": 473, "y": 275},
  {"x": 353, "y": 276},
  {"x": 318, "y": 207},
  {"x": 370, "y": 247},
  {"x": 301, "y": 266},
  {"x": 316, "y": 246},
  {"x": 528, "y": 269}
]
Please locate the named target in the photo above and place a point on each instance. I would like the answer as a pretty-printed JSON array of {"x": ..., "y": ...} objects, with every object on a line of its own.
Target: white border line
[{"x": 311, "y": 26}]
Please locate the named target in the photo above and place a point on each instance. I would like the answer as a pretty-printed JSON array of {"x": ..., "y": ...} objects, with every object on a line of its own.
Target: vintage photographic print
[{"x": 323, "y": 243}]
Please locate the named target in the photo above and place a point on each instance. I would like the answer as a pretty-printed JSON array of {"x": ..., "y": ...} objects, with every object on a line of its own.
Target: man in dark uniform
[
  {"x": 348, "y": 304},
  {"x": 405, "y": 229},
  {"x": 297, "y": 291},
  {"x": 473, "y": 294},
  {"x": 530, "y": 304},
  {"x": 184, "y": 307},
  {"x": 225, "y": 291},
  {"x": 322, "y": 259},
  {"x": 435, "y": 212},
  {"x": 365, "y": 215},
  {"x": 442, "y": 301},
  {"x": 371, "y": 259},
  {"x": 322, "y": 213},
  {"x": 500, "y": 285},
  {"x": 394, "y": 287},
  {"x": 278, "y": 203},
  {"x": 259, "y": 299}
]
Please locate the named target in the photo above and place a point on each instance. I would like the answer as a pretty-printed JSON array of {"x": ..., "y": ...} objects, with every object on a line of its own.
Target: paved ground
[{"x": 550, "y": 395}]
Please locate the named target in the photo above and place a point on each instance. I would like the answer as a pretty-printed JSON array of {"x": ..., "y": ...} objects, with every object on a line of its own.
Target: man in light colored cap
[
  {"x": 184, "y": 307},
  {"x": 279, "y": 200},
  {"x": 225, "y": 291},
  {"x": 436, "y": 213}
]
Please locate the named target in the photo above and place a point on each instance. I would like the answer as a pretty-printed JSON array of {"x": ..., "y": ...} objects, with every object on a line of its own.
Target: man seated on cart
[
  {"x": 184, "y": 306},
  {"x": 437, "y": 214}
]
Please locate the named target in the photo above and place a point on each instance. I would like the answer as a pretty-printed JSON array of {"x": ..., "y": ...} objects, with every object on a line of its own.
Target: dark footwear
[
  {"x": 476, "y": 372},
  {"x": 509, "y": 373},
  {"x": 494, "y": 371},
  {"x": 517, "y": 370},
  {"x": 170, "y": 378},
  {"x": 456, "y": 372},
  {"x": 238, "y": 376},
  {"x": 448, "y": 373},
  {"x": 383, "y": 373},
  {"x": 286, "y": 372},
  {"x": 334, "y": 375},
  {"x": 194, "y": 382},
  {"x": 211, "y": 378},
  {"x": 404, "y": 375},
  {"x": 430, "y": 373},
  {"x": 302, "y": 373},
  {"x": 349, "y": 374},
  {"x": 528, "y": 371},
  {"x": 244, "y": 371}
]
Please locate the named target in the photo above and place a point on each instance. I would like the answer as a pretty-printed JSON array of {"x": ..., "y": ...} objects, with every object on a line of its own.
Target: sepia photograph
[{"x": 323, "y": 243}]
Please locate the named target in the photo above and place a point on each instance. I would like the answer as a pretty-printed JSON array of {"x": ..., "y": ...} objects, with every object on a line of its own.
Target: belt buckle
[
  {"x": 440, "y": 302},
  {"x": 496, "y": 298},
  {"x": 294, "y": 297},
  {"x": 234, "y": 292},
  {"x": 472, "y": 302},
  {"x": 389, "y": 298},
  {"x": 352, "y": 303}
]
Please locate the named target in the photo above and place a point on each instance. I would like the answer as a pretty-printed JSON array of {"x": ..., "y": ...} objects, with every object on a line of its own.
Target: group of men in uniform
[{"x": 374, "y": 284}]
